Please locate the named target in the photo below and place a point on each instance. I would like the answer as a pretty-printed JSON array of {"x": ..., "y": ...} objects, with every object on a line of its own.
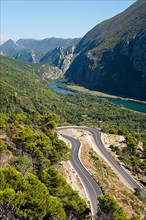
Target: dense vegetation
[
  {"x": 26, "y": 92},
  {"x": 31, "y": 148},
  {"x": 22, "y": 90},
  {"x": 22, "y": 87},
  {"x": 31, "y": 187},
  {"x": 133, "y": 156},
  {"x": 109, "y": 209}
]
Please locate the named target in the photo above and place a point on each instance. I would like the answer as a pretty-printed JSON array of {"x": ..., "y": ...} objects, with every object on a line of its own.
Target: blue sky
[{"x": 66, "y": 19}]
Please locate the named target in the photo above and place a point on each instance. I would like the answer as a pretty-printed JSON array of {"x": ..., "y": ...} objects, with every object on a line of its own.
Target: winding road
[{"x": 90, "y": 185}]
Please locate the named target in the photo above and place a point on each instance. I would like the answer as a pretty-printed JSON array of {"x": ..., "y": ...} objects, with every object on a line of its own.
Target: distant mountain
[
  {"x": 23, "y": 48},
  {"x": 60, "y": 57},
  {"x": 10, "y": 48},
  {"x": 34, "y": 51},
  {"x": 47, "y": 44},
  {"x": 30, "y": 56},
  {"x": 112, "y": 56}
]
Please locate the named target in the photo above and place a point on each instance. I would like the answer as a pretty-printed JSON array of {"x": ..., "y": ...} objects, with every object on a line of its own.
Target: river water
[
  {"x": 55, "y": 87},
  {"x": 125, "y": 103}
]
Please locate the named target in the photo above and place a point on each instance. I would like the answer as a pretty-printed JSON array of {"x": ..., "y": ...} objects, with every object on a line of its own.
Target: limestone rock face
[
  {"x": 66, "y": 62},
  {"x": 50, "y": 72},
  {"x": 60, "y": 57}
]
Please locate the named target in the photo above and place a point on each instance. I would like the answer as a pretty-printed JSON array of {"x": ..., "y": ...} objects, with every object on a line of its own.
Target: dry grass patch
[{"x": 110, "y": 182}]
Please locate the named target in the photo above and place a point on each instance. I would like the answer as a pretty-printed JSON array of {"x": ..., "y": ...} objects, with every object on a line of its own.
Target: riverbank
[
  {"x": 64, "y": 88},
  {"x": 80, "y": 89}
]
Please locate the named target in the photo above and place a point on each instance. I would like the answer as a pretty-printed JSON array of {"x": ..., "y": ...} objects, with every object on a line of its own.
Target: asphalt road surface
[{"x": 91, "y": 187}]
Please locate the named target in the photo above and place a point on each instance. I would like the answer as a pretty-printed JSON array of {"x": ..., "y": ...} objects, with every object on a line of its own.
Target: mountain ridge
[
  {"x": 112, "y": 53},
  {"x": 55, "y": 51},
  {"x": 43, "y": 45}
]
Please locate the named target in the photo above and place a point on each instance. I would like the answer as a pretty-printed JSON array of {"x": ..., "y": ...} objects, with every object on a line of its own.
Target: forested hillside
[
  {"x": 29, "y": 143},
  {"x": 23, "y": 90},
  {"x": 31, "y": 187}
]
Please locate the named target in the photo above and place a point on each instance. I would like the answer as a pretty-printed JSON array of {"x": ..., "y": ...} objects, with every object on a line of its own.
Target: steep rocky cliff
[
  {"x": 60, "y": 57},
  {"x": 112, "y": 56}
]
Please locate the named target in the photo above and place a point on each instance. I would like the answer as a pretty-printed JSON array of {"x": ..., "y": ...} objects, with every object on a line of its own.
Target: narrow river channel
[{"x": 140, "y": 107}]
